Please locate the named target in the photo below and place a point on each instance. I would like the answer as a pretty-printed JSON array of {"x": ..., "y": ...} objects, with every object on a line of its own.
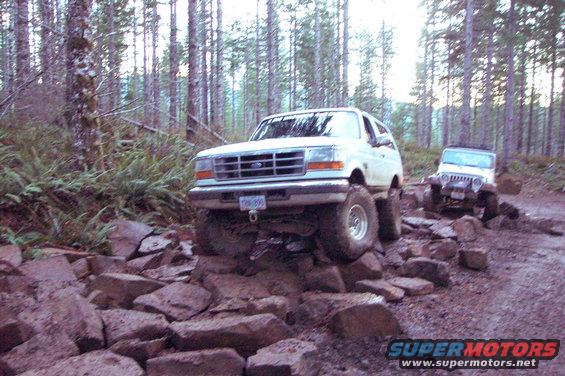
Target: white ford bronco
[
  {"x": 332, "y": 173},
  {"x": 465, "y": 177}
]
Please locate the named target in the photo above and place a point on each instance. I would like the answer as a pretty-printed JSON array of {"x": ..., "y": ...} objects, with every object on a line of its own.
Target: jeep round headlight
[
  {"x": 444, "y": 179},
  {"x": 476, "y": 184}
]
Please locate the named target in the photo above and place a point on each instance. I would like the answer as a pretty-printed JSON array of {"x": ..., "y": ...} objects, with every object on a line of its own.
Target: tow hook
[{"x": 253, "y": 216}]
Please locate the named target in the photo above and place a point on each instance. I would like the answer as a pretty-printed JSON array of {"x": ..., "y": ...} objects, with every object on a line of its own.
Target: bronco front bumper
[{"x": 277, "y": 195}]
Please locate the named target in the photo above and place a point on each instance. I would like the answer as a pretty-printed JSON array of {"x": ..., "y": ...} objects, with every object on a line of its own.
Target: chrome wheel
[{"x": 358, "y": 222}]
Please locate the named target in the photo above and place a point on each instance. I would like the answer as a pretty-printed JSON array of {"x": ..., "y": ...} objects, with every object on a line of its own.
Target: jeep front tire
[
  {"x": 350, "y": 228},
  {"x": 390, "y": 221},
  {"x": 213, "y": 235}
]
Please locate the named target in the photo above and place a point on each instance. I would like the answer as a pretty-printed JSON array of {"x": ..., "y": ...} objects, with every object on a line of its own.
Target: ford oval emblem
[{"x": 256, "y": 165}]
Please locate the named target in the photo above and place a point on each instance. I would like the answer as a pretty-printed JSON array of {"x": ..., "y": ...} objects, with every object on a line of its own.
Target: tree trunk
[
  {"x": 520, "y": 128},
  {"x": 155, "y": 67},
  {"x": 464, "y": 136},
  {"x": 431, "y": 106},
  {"x": 345, "y": 54},
  {"x": 421, "y": 125},
  {"x": 532, "y": 99},
  {"x": 257, "y": 68},
  {"x": 317, "y": 68},
  {"x": 112, "y": 63},
  {"x": 23, "y": 67},
  {"x": 47, "y": 39},
  {"x": 561, "y": 143},
  {"x": 509, "y": 97},
  {"x": 338, "y": 100},
  {"x": 294, "y": 64},
  {"x": 212, "y": 76},
  {"x": 192, "y": 71},
  {"x": 173, "y": 65},
  {"x": 270, "y": 57},
  {"x": 219, "y": 66},
  {"x": 82, "y": 102},
  {"x": 134, "y": 79},
  {"x": 549, "y": 134},
  {"x": 445, "y": 138},
  {"x": 146, "y": 89},
  {"x": 486, "y": 132},
  {"x": 204, "y": 63}
]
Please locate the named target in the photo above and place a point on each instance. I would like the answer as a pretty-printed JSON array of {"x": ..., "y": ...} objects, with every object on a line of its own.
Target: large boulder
[
  {"x": 365, "y": 267},
  {"x": 279, "y": 306},
  {"x": 349, "y": 315},
  {"x": 56, "y": 268},
  {"x": 69, "y": 313},
  {"x": 419, "y": 222},
  {"x": 12, "y": 254},
  {"x": 96, "y": 363},
  {"x": 413, "y": 286},
  {"x": 81, "y": 268},
  {"x": 467, "y": 228},
  {"x": 11, "y": 284},
  {"x": 476, "y": 258},
  {"x": 177, "y": 301},
  {"x": 120, "y": 324},
  {"x": 213, "y": 265},
  {"x": 217, "y": 362},
  {"x": 151, "y": 261},
  {"x": 246, "y": 334},
  {"x": 423, "y": 267},
  {"x": 12, "y": 331},
  {"x": 289, "y": 357},
  {"x": 281, "y": 283},
  {"x": 155, "y": 244},
  {"x": 139, "y": 349},
  {"x": 100, "y": 264},
  {"x": 326, "y": 279},
  {"x": 380, "y": 287},
  {"x": 124, "y": 288},
  {"x": 126, "y": 237},
  {"x": 508, "y": 184},
  {"x": 233, "y": 286},
  {"x": 178, "y": 272},
  {"x": 414, "y": 249},
  {"x": 443, "y": 249},
  {"x": 42, "y": 350}
]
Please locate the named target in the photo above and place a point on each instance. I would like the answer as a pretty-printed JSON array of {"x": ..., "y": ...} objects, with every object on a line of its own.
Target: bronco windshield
[
  {"x": 468, "y": 158},
  {"x": 344, "y": 124}
]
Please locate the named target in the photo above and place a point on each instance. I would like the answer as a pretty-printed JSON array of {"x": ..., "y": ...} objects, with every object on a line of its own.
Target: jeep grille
[
  {"x": 457, "y": 177},
  {"x": 245, "y": 166}
]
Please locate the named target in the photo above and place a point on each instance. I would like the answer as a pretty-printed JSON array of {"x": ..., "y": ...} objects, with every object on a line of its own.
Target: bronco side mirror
[
  {"x": 436, "y": 161},
  {"x": 382, "y": 141}
]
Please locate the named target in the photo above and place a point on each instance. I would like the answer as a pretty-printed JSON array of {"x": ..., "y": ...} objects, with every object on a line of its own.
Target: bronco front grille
[{"x": 254, "y": 165}]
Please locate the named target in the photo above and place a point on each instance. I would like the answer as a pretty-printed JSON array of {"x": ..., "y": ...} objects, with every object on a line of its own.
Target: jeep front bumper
[{"x": 278, "y": 195}]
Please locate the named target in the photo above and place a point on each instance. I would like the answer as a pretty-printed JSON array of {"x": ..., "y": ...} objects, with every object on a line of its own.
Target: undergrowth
[{"x": 44, "y": 200}]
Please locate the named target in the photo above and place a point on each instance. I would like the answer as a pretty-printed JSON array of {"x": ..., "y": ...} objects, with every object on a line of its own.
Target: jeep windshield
[
  {"x": 468, "y": 158},
  {"x": 344, "y": 124}
]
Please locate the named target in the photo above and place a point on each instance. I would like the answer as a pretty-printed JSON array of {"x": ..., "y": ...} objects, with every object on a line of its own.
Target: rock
[
  {"x": 233, "y": 286},
  {"x": 127, "y": 236},
  {"x": 414, "y": 249},
  {"x": 423, "y": 267},
  {"x": 415, "y": 197},
  {"x": 8, "y": 269},
  {"x": 289, "y": 357},
  {"x": 138, "y": 349},
  {"x": 277, "y": 305},
  {"x": 443, "y": 249},
  {"x": 172, "y": 273},
  {"x": 122, "y": 324},
  {"x": 365, "y": 267},
  {"x": 508, "y": 184},
  {"x": 326, "y": 279},
  {"x": 349, "y": 315},
  {"x": 99, "y": 299},
  {"x": 11, "y": 254},
  {"x": 155, "y": 244},
  {"x": 546, "y": 226},
  {"x": 185, "y": 247},
  {"x": 444, "y": 232},
  {"x": 213, "y": 265},
  {"x": 177, "y": 301},
  {"x": 68, "y": 313},
  {"x": 419, "y": 222},
  {"x": 12, "y": 331},
  {"x": 70, "y": 254},
  {"x": 55, "y": 268},
  {"x": 217, "y": 362},
  {"x": 16, "y": 283},
  {"x": 380, "y": 287},
  {"x": 107, "y": 264},
  {"x": 509, "y": 210},
  {"x": 302, "y": 265},
  {"x": 473, "y": 258},
  {"x": 124, "y": 288},
  {"x": 45, "y": 289},
  {"x": 281, "y": 283},
  {"x": 146, "y": 262},
  {"x": 413, "y": 286},
  {"x": 42, "y": 350},
  {"x": 406, "y": 229},
  {"x": 496, "y": 223},
  {"x": 96, "y": 363},
  {"x": 246, "y": 334},
  {"x": 80, "y": 268}
]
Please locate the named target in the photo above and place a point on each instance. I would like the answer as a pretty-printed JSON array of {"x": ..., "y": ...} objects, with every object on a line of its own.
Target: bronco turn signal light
[
  {"x": 207, "y": 174},
  {"x": 334, "y": 165}
]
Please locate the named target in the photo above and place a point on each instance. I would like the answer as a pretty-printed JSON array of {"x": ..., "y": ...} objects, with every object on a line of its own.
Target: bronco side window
[{"x": 369, "y": 130}]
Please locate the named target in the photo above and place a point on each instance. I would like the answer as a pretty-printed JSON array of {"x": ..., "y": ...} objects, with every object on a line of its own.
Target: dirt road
[{"x": 519, "y": 296}]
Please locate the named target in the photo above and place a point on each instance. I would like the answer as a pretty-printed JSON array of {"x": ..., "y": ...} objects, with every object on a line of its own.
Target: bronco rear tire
[
  {"x": 390, "y": 221},
  {"x": 349, "y": 229},
  {"x": 213, "y": 236},
  {"x": 491, "y": 207}
]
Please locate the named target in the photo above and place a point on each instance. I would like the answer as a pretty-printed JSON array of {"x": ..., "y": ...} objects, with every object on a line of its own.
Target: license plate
[
  {"x": 456, "y": 195},
  {"x": 252, "y": 203}
]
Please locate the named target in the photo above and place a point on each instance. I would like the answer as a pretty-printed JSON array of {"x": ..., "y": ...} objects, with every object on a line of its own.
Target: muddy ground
[{"x": 519, "y": 296}]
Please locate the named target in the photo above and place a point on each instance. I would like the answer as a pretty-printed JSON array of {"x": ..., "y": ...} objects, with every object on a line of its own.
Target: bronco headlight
[
  {"x": 203, "y": 169},
  {"x": 325, "y": 158},
  {"x": 476, "y": 184},
  {"x": 443, "y": 179}
]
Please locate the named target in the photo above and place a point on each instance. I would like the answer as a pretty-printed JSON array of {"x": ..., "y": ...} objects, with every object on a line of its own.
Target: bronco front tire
[
  {"x": 349, "y": 229},
  {"x": 213, "y": 235}
]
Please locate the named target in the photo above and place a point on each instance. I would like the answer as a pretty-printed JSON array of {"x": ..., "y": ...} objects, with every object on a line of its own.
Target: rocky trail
[{"x": 157, "y": 307}]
